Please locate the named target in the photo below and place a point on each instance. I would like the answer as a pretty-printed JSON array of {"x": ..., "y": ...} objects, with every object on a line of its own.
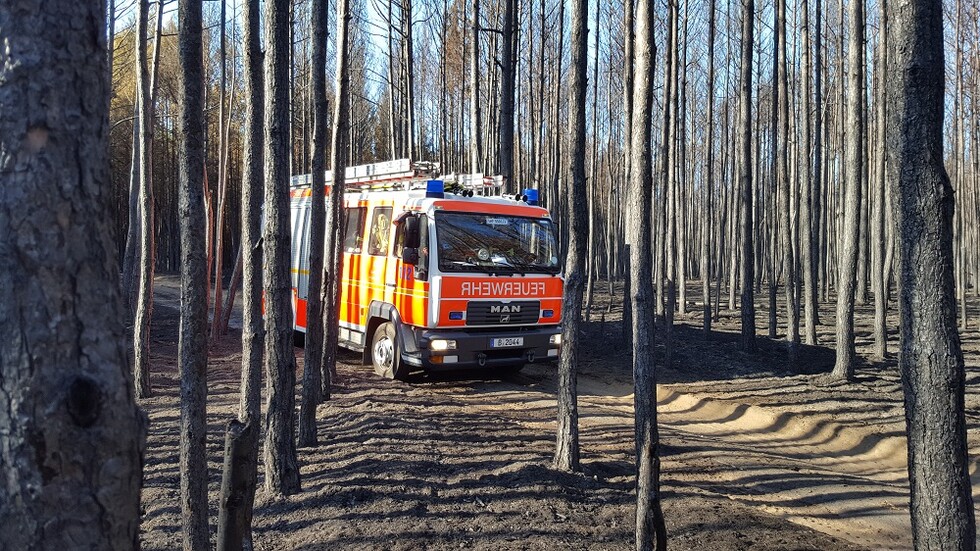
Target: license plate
[{"x": 507, "y": 342}]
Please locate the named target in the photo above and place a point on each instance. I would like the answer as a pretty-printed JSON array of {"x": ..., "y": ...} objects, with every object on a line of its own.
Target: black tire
[
  {"x": 386, "y": 353},
  {"x": 299, "y": 339}
]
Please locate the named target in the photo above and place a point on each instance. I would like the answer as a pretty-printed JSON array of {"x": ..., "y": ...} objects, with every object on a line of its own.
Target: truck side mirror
[
  {"x": 410, "y": 255},
  {"x": 410, "y": 235}
]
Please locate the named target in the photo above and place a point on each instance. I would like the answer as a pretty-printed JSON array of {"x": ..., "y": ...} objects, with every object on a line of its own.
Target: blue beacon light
[
  {"x": 532, "y": 196},
  {"x": 435, "y": 189}
]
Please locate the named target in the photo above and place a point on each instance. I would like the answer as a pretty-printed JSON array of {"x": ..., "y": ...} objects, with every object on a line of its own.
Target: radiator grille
[{"x": 517, "y": 312}]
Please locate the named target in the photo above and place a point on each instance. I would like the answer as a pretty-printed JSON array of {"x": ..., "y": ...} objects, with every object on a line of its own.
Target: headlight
[
  {"x": 555, "y": 339},
  {"x": 442, "y": 344}
]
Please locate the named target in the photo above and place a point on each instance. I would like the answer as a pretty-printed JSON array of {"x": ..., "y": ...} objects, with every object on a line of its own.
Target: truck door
[{"x": 379, "y": 249}]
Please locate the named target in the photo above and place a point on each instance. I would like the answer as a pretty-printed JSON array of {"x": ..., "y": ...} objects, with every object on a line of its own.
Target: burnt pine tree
[
  {"x": 312, "y": 354},
  {"x": 476, "y": 144},
  {"x": 72, "y": 435},
  {"x": 930, "y": 358},
  {"x": 784, "y": 182},
  {"x": 281, "y": 468},
  {"x": 649, "y": 516},
  {"x": 745, "y": 177},
  {"x": 567, "y": 448},
  {"x": 144, "y": 290},
  {"x": 508, "y": 67},
  {"x": 853, "y": 181},
  {"x": 252, "y": 324},
  {"x": 335, "y": 213},
  {"x": 192, "y": 347},
  {"x": 253, "y": 331}
]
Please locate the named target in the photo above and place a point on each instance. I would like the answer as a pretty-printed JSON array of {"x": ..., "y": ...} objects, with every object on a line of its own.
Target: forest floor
[{"x": 758, "y": 452}]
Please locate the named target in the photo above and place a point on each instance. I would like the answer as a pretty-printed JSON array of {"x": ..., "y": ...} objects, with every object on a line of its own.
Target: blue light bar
[
  {"x": 455, "y": 315},
  {"x": 532, "y": 196},
  {"x": 547, "y": 313},
  {"x": 435, "y": 189}
]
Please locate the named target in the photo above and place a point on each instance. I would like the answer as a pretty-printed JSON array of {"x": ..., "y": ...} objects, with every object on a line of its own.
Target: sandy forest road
[{"x": 444, "y": 464}]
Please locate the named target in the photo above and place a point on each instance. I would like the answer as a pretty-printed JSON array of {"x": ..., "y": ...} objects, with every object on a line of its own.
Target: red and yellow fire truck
[{"x": 434, "y": 280}]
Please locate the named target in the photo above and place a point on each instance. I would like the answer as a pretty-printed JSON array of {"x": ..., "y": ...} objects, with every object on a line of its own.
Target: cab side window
[
  {"x": 379, "y": 233},
  {"x": 354, "y": 230}
]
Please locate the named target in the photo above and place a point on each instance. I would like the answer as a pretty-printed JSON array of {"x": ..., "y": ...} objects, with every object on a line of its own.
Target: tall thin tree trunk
[
  {"x": 854, "y": 161},
  {"x": 508, "y": 66},
  {"x": 192, "y": 346},
  {"x": 650, "y": 526},
  {"x": 567, "y": 447},
  {"x": 809, "y": 219},
  {"x": 476, "y": 145},
  {"x": 313, "y": 353},
  {"x": 335, "y": 213},
  {"x": 745, "y": 177},
  {"x": 785, "y": 184},
  {"x": 144, "y": 294},
  {"x": 878, "y": 281},
  {"x": 281, "y": 468},
  {"x": 930, "y": 358},
  {"x": 709, "y": 179}
]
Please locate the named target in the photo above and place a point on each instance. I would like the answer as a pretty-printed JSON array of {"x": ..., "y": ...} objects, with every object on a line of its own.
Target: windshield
[{"x": 494, "y": 243}]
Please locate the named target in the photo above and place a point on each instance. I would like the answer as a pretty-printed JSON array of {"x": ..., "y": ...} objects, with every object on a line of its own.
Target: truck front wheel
[{"x": 385, "y": 353}]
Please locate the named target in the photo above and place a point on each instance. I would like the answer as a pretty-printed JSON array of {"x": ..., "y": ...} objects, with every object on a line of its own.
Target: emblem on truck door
[{"x": 506, "y": 309}]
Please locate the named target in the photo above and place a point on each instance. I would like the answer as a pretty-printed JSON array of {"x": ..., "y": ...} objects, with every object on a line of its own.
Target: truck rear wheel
[{"x": 386, "y": 354}]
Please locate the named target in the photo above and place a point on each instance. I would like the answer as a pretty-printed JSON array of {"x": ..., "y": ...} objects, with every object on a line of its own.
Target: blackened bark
[
  {"x": 808, "y": 216},
  {"x": 72, "y": 436},
  {"x": 313, "y": 353},
  {"x": 335, "y": 211},
  {"x": 192, "y": 346},
  {"x": 144, "y": 290},
  {"x": 281, "y": 468},
  {"x": 508, "y": 66},
  {"x": 930, "y": 357},
  {"x": 476, "y": 145},
  {"x": 706, "y": 233},
  {"x": 745, "y": 178},
  {"x": 237, "y": 484},
  {"x": 878, "y": 282},
  {"x": 649, "y": 516},
  {"x": 853, "y": 181},
  {"x": 567, "y": 447},
  {"x": 784, "y": 183},
  {"x": 253, "y": 332}
]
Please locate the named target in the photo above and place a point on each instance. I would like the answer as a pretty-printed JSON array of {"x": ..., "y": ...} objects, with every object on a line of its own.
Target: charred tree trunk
[
  {"x": 709, "y": 191},
  {"x": 508, "y": 67},
  {"x": 313, "y": 353},
  {"x": 853, "y": 181},
  {"x": 281, "y": 468},
  {"x": 476, "y": 145},
  {"x": 144, "y": 290},
  {"x": 238, "y": 484},
  {"x": 783, "y": 181},
  {"x": 650, "y": 527},
  {"x": 930, "y": 357},
  {"x": 193, "y": 346},
  {"x": 253, "y": 332},
  {"x": 745, "y": 178},
  {"x": 72, "y": 435},
  {"x": 335, "y": 212},
  {"x": 567, "y": 448}
]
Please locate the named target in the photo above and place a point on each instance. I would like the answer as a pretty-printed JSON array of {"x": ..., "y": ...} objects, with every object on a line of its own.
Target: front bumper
[{"x": 474, "y": 351}]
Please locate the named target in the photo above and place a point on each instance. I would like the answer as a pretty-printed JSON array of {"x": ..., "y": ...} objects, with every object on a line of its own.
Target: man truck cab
[{"x": 434, "y": 280}]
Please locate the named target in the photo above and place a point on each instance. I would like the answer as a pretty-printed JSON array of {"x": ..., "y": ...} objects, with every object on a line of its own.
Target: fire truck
[{"x": 433, "y": 279}]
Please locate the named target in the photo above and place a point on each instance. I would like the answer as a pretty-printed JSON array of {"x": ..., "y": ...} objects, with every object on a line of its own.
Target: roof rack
[
  {"x": 388, "y": 175},
  {"x": 403, "y": 175}
]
